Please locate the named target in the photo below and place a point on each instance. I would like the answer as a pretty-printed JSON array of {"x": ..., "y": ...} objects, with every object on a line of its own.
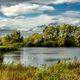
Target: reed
[{"x": 58, "y": 71}]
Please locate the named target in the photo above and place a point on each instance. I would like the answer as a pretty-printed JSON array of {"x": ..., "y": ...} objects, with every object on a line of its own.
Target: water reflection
[
  {"x": 40, "y": 56},
  {"x": 12, "y": 57}
]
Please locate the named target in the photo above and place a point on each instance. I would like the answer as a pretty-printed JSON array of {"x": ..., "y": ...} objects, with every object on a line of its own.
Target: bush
[{"x": 48, "y": 44}]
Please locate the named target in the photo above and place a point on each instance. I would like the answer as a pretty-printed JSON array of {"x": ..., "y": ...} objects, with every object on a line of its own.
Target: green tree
[
  {"x": 34, "y": 40},
  {"x": 48, "y": 43},
  {"x": 0, "y": 41},
  {"x": 13, "y": 37},
  {"x": 77, "y": 37}
]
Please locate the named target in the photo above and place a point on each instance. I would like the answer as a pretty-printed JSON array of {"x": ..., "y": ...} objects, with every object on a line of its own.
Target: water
[{"x": 40, "y": 56}]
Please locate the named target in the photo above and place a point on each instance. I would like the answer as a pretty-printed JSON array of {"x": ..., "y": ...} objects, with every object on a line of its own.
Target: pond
[{"x": 40, "y": 56}]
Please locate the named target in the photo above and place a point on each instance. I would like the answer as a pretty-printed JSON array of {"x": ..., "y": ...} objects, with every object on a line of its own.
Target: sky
[{"x": 28, "y": 14}]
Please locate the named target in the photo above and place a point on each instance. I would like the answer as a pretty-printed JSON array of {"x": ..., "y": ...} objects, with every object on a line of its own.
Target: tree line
[
  {"x": 55, "y": 36},
  {"x": 51, "y": 36}
]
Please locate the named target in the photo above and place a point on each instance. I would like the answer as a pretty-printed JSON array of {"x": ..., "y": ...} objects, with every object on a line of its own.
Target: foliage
[
  {"x": 48, "y": 44},
  {"x": 13, "y": 37},
  {"x": 34, "y": 40},
  {"x": 0, "y": 41},
  {"x": 51, "y": 36},
  {"x": 11, "y": 41},
  {"x": 58, "y": 71},
  {"x": 56, "y": 36}
]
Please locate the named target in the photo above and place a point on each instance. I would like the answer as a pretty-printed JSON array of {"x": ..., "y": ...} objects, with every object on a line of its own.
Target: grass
[{"x": 58, "y": 71}]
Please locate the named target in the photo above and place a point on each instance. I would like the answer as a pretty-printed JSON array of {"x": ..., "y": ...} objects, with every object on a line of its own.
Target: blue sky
[{"x": 27, "y": 14}]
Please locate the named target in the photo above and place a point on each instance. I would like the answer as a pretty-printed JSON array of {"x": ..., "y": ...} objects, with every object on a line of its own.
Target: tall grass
[{"x": 58, "y": 71}]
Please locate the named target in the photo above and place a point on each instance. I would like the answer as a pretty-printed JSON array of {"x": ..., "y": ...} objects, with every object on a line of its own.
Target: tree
[
  {"x": 56, "y": 36},
  {"x": 34, "y": 40},
  {"x": 0, "y": 41},
  {"x": 48, "y": 44},
  {"x": 61, "y": 42},
  {"x": 77, "y": 37},
  {"x": 13, "y": 37}
]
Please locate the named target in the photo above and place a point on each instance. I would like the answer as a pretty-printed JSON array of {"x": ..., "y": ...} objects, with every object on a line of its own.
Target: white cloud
[
  {"x": 21, "y": 22},
  {"x": 69, "y": 17},
  {"x": 23, "y": 8},
  {"x": 44, "y": 7},
  {"x": 67, "y": 20},
  {"x": 72, "y": 14},
  {"x": 54, "y": 1},
  {"x": 28, "y": 23},
  {"x": 64, "y": 1}
]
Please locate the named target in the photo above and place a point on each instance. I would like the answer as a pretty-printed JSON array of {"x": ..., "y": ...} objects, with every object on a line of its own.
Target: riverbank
[
  {"x": 58, "y": 71},
  {"x": 10, "y": 47}
]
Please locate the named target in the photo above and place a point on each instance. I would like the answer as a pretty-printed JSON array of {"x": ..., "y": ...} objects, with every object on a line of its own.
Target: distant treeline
[
  {"x": 51, "y": 36},
  {"x": 55, "y": 36}
]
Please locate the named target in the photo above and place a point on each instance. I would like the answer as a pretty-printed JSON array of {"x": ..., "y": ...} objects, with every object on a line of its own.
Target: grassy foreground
[{"x": 58, "y": 71}]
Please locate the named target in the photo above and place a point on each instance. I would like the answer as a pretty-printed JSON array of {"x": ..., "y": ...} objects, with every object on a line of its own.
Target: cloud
[
  {"x": 75, "y": 14},
  {"x": 54, "y": 1},
  {"x": 66, "y": 20},
  {"x": 68, "y": 17},
  {"x": 23, "y": 8},
  {"x": 64, "y": 1},
  {"x": 28, "y": 23},
  {"x": 8, "y": 2}
]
